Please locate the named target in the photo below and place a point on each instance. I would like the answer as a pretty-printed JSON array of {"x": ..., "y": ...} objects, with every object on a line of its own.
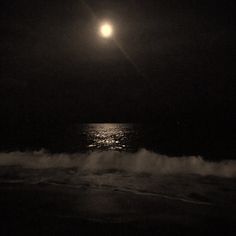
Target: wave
[{"x": 142, "y": 161}]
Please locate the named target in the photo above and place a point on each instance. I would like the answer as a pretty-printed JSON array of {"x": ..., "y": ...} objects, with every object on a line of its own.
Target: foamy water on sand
[
  {"x": 187, "y": 179},
  {"x": 110, "y": 180}
]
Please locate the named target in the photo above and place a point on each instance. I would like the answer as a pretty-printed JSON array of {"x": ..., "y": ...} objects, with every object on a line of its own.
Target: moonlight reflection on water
[{"x": 107, "y": 136}]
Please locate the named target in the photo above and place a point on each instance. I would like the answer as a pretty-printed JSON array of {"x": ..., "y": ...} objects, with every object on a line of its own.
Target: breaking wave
[{"x": 142, "y": 161}]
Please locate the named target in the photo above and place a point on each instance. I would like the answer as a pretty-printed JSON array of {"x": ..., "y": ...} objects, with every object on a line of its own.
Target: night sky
[{"x": 56, "y": 71}]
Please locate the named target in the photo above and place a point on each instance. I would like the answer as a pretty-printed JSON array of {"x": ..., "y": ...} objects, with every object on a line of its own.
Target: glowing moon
[{"x": 106, "y": 30}]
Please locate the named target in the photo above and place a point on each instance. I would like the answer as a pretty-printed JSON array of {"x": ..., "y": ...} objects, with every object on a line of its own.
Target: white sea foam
[{"x": 140, "y": 162}]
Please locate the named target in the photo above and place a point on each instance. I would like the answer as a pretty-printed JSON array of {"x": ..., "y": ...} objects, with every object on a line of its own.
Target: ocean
[{"x": 106, "y": 165}]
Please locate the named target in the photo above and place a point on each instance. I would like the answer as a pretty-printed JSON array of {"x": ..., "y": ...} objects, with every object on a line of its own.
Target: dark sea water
[
  {"x": 176, "y": 140},
  {"x": 103, "y": 166},
  {"x": 164, "y": 138},
  {"x": 128, "y": 137},
  {"x": 120, "y": 147}
]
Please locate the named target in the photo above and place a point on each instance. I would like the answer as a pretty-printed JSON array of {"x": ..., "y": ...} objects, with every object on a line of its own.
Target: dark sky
[{"x": 56, "y": 70}]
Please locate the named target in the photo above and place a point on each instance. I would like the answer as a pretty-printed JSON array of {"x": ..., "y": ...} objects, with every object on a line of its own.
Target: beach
[{"x": 55, "y": 210}]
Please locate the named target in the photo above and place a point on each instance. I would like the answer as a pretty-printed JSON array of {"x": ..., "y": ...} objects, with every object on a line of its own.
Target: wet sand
[{"x": 56, "y": 210}]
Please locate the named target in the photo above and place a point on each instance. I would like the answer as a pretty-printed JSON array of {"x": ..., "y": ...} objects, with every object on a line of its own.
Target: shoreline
[{"x": 56, "y": 210}]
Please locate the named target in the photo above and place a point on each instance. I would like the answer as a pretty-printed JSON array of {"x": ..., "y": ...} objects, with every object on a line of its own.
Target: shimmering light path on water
[{"x": 107, "y": 136}]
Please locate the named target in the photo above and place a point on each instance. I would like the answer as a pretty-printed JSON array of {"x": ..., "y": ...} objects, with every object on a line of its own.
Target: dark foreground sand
[{"x": 56, "y": 210}]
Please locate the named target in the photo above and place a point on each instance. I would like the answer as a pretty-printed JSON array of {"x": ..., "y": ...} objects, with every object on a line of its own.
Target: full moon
[{"x": 106, "y": 30}]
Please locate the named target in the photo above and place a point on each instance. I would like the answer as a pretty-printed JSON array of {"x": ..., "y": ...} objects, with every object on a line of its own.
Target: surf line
[{"x": 136, "y": 192}]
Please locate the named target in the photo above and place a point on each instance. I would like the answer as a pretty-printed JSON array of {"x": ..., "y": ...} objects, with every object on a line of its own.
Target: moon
[{"x": 106, "y": 30}]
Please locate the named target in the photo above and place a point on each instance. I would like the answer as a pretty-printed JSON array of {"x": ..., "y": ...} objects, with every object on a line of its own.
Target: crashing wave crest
[{"x": 142, "y": 161}]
